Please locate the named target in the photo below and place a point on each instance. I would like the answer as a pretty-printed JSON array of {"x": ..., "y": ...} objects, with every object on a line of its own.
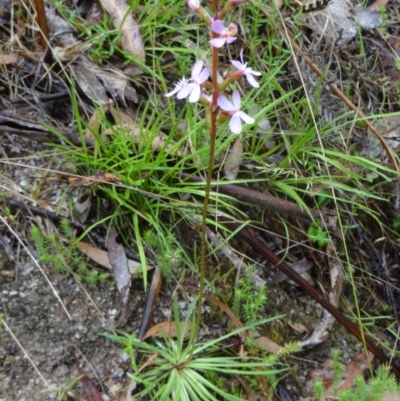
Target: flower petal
[
  {"x": 195, "y": 94},
  {"x": 235, "y": 124},
  {"x": 185, "y": 91},
  {"x": 238, "y": 65},
  {"x": 203, "y": 76},
  {"x": 218, "y": 26},
  {"x": 172, "y": 92},
  {"x": 241, "y": 56},
  {"x": 251, "y": 80},
  {"x": 217, "y": 42},
  {"x": 236, "y": 100},
  {"x": 225, "y": 104},
  {"x": 245, "y": 117},
  {"x": 196, "y": 70},
  {"x": 230, "y": 39}
]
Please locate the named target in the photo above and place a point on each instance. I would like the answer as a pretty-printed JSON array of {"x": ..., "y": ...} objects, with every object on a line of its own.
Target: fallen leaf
[
  {"x": 391, "y": 396},
  {"x": 354, "y": 368},
  {"x": 324, "y": 372},
  {"x": 234, "y": 159},
  {"x": 96, "y": 82},
  {"x": 268, "y": 345},
  {"x": 126, "y": 395},
  {"x": 121, "y": 117},
  {"x": 119, "y": 263},
  {"x": 167, "y": 328},
  {"x": 101, "y": 257},
  {"x": 95, "y": 122},
  {"x": 89, "y": 388},
  {"x": 300, "y": 328},
  {"x": 151, "y": 299},
  {"x": 376, "y": 4},
  {"x": 100, "y": 176},
  {"x": 131, "y": 38},
  {"x": 95, "y": 14},
  {"x": 81, "y": 210}
]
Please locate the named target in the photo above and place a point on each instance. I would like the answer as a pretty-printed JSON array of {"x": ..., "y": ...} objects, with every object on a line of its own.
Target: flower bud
[{"x": 193, "y": 4}]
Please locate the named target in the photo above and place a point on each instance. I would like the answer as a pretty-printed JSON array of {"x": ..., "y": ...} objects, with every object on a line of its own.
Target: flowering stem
[{"x": 213, "y": 134}]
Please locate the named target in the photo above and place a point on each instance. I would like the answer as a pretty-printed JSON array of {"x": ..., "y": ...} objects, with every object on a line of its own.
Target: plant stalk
[{"x": 213, "y": 134}]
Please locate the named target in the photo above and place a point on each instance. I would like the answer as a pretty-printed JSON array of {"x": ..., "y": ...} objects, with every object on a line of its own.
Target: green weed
[
  {"x": 64, "y": 257},
  {"x": 175, "y": 370}
]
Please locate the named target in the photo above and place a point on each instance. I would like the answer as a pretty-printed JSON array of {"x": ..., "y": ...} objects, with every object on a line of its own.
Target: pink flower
[
  {"x": 191, "y": 87},
  {"x": 233, "y": 110},
  {"x": 242, "y": 69},
  {"x": 226, "y": 35},
  {"x": 193, "y": 4},
  {"x": 178, "y": 87}
]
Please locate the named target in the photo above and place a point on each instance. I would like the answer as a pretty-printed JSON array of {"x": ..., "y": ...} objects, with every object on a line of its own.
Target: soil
[{"x": 41, "y": 347}]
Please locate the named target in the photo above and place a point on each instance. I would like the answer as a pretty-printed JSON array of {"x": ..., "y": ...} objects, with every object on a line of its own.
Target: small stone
[{"x": 61, "y": 371}]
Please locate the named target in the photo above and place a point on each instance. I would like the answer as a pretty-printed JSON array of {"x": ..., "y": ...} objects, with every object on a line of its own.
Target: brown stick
[
  {"x": 44, "y": 32},
  {"x": 266, "y": 201},
  {"x": 263, "y": 250}
]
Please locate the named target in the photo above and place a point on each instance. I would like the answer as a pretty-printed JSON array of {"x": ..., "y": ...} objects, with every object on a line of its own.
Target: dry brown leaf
[
  {"x": 264, "y": 342},
  {"x": 167, "y": 328},
  {"x": 119, "y": 264},
  {"x": 121, "y": 117},
  {"x": 131, "y": 38},
  {"x": 324, "y": 372},
  {"x": 391, "y": 396},
  {"x": 96, "y": 82},
  {"x": 94, "y": 15},
  {"x": 100, "y": 176},
  {"x": 354, "y": 368},
  {"x": 95, "y": 122},
  {"x": 376, "y": 4},
  {"x": 81, "y": 210},
  {"x": 300, "y": 328},
  {"x": 101, "y": 257},
  {"x": 89, "y": 388},
  {"x": 268, "y": 345},
  {"x": 126, "y": 395},
  {"x": 234, "y": 159}
]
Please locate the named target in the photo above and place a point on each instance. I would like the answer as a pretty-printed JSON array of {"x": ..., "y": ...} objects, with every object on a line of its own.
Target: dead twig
[
  {"x": 263, "y": 250},
  {"x": 266, "y": 201}
]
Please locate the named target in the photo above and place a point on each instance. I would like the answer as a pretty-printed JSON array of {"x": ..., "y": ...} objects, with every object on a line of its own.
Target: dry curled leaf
[
  {"x": 167, "y": 328},
  {"x": 101, "y": 257},
  {"x": 119, "y": 263},
  {"x": 269, "y": 345},
  {"x": 100, "y": 176},
  {"x": 131, "y": 38},
  {"x": 96, "y": 82},
  {"x": 89, "y": 388},
  {"x": 233, "y": 160}
]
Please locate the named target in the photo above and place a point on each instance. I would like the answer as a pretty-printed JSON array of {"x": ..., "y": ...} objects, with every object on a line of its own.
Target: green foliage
[
  {"x": 185, "y": 371},
  {"x": 249, "y": 301},
  {"x": 372, "y": 391},
  {"x": 63, "y": 257},
  {"x": 167, "y": 252},
  {"x": 317, "y": 235}
]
